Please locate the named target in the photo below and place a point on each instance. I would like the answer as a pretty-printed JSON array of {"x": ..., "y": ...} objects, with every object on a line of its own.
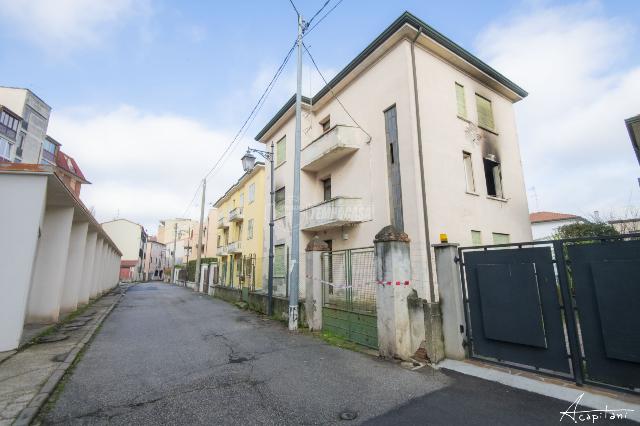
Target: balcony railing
[
  {"x": 221, "y": 251},
  {"x": 334, "y": 213},
  {"x": 336, "y": 143},
  {"x": 235, "y": 215},
  {"x": 222, "y": 223},
  {"x": 235, "y": 247}
]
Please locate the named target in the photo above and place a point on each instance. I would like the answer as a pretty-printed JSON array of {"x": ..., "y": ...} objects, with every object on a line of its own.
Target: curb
[{"x": 28, "y": 413}]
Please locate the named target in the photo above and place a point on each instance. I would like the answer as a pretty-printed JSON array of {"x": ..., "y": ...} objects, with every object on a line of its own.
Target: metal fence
[
  {"x": 348, "y": 280},
  {"x": 564, "y": 307},
  {"x": 239, "y": 272}
]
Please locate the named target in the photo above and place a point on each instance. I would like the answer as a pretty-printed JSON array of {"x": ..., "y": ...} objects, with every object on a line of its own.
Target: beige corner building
[{"x": 429, "y": 145}]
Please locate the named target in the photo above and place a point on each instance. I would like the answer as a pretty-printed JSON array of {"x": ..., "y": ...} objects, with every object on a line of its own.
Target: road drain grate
[{"x": 348, "y": 415}]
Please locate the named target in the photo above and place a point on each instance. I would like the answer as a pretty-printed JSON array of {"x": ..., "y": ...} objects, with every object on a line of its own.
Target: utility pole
[
  {"x": 199, "y": 252},
  {"x": 295, "y": 214},
  {"x": 175, "y": 238}
]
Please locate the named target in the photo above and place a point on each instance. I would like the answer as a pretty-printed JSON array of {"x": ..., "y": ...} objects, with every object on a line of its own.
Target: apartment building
[
  {"x": 34, "y": 119},
  {"x": 9, "y": 125},
  {"x": 429, "y": 144},
  {"x": 168, "y": 228},
  {"x": 131, "y": 239},
  {"x": 240, "y": 224},
  {"x": 155, "y": 260}
]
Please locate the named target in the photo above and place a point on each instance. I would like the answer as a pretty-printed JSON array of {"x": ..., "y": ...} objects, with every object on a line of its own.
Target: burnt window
[
  {"x": 326, "y": 188},
  {"x": 493, "y": 177}
]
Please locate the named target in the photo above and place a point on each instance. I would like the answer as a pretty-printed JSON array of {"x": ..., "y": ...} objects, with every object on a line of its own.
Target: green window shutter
[
  {"x": 250, "y": 230},
  {"x": 500, "y": 238},
  {"x": 279, "y": 202},
  {"x": 476, "y": 238},
  {"x": 278, "y": 261},
  {"x": 485, "y": 113},
  {"x": 281, "y": 151},
  {"x": 462, "y": 104}
]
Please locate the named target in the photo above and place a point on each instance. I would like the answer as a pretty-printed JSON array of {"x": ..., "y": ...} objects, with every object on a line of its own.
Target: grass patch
[{"x": 55, "y": 327}]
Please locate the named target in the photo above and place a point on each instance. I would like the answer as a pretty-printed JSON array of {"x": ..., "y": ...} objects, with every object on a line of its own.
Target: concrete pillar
[
  {"x": 451, "y": 301},
  {"x": 105, "y": 269},
  {"x": 50, "y": 266},
  {"x": 97, "y": 268},
  {"x": 313, "y": 283},
  {"x": 393, "y": 274},
  {"x": 84, "y": 290},
  {"x": 23, "y": 205},
  {"x": 73, "y": 273}
]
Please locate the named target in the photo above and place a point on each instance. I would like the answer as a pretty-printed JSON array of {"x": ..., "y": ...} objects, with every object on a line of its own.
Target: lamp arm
[{"x": 265, "y": 154}]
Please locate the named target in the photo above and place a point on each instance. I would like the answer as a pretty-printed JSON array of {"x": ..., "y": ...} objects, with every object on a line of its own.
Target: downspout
[{"x": 425, "y": 216}]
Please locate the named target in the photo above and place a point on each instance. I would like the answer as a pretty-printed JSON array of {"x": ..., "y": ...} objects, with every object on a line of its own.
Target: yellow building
[{"x": 241, "y": 217}]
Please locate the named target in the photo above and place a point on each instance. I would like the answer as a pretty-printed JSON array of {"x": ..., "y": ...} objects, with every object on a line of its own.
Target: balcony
[
  {"x": 221, "y": 251},
  {"x": 336, "y": 212},
  {"x": 235, "y": 215},
  {"x": 222, "y": 224},
  {"x": 235, "y": 247},
  {"x": 339, "y": 142}
]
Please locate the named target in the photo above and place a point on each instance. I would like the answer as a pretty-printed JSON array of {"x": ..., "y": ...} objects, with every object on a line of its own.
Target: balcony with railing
[
  {"x": 235, "y": 215},
  {"x": 338, "y": 142},
  {"x": 336, "y": 212},
  {"x": 235, "y": 247},
  {"x": 222, "y": 224},
  {"x": 221, "y": 251}
]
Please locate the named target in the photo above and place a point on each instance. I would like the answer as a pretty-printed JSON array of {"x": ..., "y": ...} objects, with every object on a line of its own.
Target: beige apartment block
[
  {"x": 131, "y": 239},
  {"x": 34, "y": 114},
  {"x": 167, "y": 229},
  {"x": 429, "y": 144}
]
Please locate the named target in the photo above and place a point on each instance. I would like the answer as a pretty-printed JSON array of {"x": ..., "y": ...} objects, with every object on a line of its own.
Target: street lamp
[{"x": 248, "y": 162}]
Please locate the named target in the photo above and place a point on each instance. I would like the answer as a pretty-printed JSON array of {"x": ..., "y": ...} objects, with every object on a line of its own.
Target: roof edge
[{"x": 406, "y": 18}]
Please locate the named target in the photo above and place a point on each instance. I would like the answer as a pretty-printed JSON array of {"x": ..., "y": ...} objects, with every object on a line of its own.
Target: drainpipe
[{"x": 425, "y": 216}]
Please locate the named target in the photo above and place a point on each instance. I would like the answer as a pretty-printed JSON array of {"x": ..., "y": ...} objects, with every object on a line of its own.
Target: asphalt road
[{"x": 167, "y": 355}]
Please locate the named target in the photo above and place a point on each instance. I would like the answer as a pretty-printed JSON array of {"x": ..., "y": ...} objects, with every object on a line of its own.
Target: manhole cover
[
  {"x": 53, "y": 338},
  {"x": 348, "y": 415}
]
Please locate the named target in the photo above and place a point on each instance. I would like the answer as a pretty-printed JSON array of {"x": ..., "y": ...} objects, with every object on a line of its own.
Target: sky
[{"x": 147, "y": 94}]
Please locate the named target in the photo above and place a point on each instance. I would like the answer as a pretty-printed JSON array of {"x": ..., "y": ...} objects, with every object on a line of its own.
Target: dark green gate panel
[
  {"x": 357, "y": 327},
  {"x": 514, "y": 308},
  {"x": 606, "y": 280},
  {"x": 511, "y": 313}
]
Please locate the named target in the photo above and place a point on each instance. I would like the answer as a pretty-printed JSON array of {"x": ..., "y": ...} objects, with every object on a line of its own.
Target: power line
[
  {"x": 294, "y": 7},
  {"x": 322, "y": 18},
  {"x": 249, "y": 120},
  {"x": 245, "y": 125},
  {"x": 318, "y": 12},
  {"x": 191, "y": 202},
  {"x": 255, "y": 109},
  {"x": 332, "y": 92}
]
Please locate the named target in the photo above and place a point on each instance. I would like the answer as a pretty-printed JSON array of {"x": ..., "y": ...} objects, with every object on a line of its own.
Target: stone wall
[{"x": 258, "y": 302}]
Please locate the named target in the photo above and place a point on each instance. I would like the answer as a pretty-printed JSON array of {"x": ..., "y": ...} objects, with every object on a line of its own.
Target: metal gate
[
  {"x": 567, "y": 307},
  {"x": 349, "y": 295}
]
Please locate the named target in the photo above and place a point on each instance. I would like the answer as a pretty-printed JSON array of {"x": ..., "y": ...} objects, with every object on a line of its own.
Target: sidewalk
[{"x": 28, "y": 376}]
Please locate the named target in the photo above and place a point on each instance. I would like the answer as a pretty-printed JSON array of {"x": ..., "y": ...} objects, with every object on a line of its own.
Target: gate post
[
  {"x": 451, "y": 300},
  {"x": 393, "y": 275},
  {"x": 313, "y": 283}
]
